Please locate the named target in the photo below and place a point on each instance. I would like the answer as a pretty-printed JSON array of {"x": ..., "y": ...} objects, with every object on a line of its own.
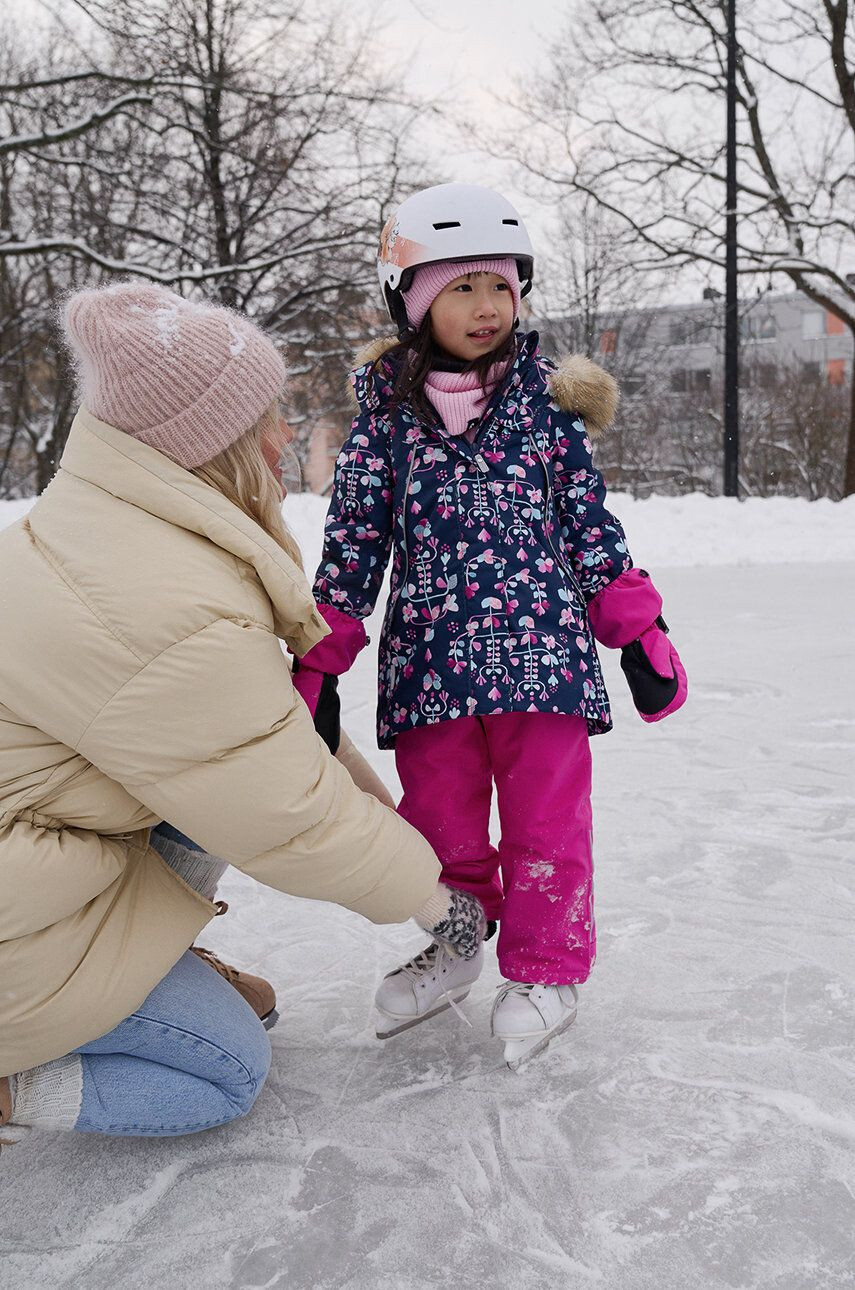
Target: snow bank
[
  {"x": 11, "y": 511},
  {"x": 675, "y": 532}
]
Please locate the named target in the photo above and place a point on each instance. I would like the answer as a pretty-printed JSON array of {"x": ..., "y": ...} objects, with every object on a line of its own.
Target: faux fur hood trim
[
  {"x": 577, "y": 384},
  {"x": 373, "y": 350},
  {"x": 580, "y": 385}
]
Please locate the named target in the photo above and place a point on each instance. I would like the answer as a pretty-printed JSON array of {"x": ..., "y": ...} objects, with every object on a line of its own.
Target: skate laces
[
  {"x": 421, "y": 962},
  {"x": 524, "y": 990},
  {"x": 425, "y": 961},
  {"x": 513, "y": 987}
]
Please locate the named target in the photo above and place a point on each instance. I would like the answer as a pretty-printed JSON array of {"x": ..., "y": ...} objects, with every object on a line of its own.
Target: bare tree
[
  {"x": 256, "y": 165},
  {"x": 589, "y": 283},
  {"x": 631, "y": 113}
]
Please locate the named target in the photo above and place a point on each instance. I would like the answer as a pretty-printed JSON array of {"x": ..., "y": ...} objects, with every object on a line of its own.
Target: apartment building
[{"x": 686, "y": 341}]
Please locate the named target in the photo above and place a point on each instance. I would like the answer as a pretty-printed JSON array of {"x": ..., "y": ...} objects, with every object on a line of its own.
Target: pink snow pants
[{"x": 541, "y": 765}]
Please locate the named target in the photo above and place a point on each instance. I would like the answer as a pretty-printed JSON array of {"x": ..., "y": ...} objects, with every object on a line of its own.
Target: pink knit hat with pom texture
[
  {"x": 429, "y": 280},
  {"x": 186, "y": 378}
]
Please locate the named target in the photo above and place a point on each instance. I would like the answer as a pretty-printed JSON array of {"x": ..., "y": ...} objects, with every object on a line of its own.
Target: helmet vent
[
  {"x": 515, "y": 222},
  {"x": 451, "y": 223}
]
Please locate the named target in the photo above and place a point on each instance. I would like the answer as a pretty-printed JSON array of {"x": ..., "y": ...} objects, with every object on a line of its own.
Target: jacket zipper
[{"x": 447, "y": 442}]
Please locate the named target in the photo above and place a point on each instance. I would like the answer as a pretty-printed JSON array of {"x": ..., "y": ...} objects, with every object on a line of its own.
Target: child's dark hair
[{"x": 415, "y": 356}]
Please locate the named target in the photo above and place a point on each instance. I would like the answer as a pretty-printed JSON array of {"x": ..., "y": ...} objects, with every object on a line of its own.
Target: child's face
[{"x": 473, "y": 315}]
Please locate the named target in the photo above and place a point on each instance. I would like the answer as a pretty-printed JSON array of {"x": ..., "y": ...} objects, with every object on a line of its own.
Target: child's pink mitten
[
  {"x": 656, "y": 677},
  {"x": 626, "y": 615},
  {"x": 333, "y": 655}
]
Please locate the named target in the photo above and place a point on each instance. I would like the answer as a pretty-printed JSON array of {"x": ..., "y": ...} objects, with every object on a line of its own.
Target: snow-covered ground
[{"x": 695, "y": 1129}]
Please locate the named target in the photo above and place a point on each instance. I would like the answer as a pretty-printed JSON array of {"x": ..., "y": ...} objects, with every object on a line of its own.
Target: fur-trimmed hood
[{"x": 576, "y": 383}]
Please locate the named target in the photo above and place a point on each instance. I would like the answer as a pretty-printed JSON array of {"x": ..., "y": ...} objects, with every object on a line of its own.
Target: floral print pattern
[{"x": 497, "y": 546}]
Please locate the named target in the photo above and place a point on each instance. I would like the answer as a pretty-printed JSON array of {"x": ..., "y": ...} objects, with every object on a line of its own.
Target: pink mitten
[
  {"x": 333, "y": 655},
  {"x": 624, "y": 608},
  {"x": 626, "y": 615},
  {"x": 657, "y": 678},
  {"x": 307, "y": 683}
]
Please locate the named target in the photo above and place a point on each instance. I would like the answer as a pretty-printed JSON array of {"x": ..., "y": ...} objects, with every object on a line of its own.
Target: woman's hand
[{"x": 454, "y": 918}]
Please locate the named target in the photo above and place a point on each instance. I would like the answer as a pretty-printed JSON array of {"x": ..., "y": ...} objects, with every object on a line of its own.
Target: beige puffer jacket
[{"x": 142, "y": 678}]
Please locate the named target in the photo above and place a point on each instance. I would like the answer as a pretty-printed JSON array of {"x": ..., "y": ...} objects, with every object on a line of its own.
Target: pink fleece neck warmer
[{"x": 459, "y": 398}]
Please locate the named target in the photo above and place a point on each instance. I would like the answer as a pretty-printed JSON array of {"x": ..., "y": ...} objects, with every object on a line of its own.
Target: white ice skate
[
  {"x": 526, "y": 1017},
  {"x": 434, "y": 980}
]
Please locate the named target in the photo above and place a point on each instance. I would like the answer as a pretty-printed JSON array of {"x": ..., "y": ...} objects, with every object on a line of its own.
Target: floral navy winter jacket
[{"x": 497, "y": 546}]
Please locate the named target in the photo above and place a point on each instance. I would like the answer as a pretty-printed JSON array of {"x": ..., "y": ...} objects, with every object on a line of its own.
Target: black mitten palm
[{"x": 656, "y": 677}]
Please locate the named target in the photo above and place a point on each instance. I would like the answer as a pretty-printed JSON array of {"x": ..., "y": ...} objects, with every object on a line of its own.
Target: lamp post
[{"x": 731, "y": 299}]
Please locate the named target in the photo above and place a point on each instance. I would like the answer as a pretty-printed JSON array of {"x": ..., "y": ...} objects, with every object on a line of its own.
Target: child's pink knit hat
[
  {"x": 429, "y": 280},
  {"x": 186, "y": 378}
]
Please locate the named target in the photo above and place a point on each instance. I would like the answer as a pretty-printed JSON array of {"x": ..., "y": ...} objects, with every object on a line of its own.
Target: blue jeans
[
  {"x": 175, "y": 835},
  {"x": 192, "y": 1056}
]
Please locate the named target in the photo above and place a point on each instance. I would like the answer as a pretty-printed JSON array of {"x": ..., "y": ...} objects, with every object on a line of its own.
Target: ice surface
[{"x": 694, "y": 1129}]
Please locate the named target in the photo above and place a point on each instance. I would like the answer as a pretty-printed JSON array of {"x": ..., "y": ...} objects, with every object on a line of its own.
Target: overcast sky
[
  {"x": 469, "y": 50},
  {"x": 480, "y": 44}
]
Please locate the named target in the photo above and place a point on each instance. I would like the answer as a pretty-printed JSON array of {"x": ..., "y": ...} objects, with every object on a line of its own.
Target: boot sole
[
  {"x": 540, "y": 1046},
  {"x": 270, "y": 1019},
  {"x": 417, "y": 1021}
]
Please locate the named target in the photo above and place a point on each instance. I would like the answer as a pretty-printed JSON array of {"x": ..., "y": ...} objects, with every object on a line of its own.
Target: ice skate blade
[
  {"x": 270, "y": 1020},
  {"x": 416, "y": 1021},
  {"x": 520, "y": 1051}
]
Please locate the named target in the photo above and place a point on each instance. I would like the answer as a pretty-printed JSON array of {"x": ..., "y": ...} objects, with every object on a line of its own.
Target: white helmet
[{"x": 448, "y": 222}]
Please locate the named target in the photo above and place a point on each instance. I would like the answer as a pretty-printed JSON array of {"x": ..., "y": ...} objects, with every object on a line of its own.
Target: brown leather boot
[{"x": 258, "y": 993}]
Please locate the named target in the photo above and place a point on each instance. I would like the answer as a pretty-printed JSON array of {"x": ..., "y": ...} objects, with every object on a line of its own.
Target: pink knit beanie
[
  {"x": 431, "y": 278},
  {"x": 184, "y": 377}
]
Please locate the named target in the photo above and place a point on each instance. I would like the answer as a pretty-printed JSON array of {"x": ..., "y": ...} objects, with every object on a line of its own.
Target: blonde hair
[{"x": 242, "y": 475}]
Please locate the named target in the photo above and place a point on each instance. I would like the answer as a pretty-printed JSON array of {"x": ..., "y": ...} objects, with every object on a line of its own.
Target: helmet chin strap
[{"x": 398, "y": 313}]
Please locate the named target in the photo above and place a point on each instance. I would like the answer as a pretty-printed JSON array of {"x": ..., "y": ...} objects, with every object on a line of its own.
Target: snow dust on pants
[{"x": 539, "y": 883}]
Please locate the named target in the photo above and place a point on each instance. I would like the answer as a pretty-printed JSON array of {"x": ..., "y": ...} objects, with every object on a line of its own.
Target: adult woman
[{"x": 142, "y": 679}]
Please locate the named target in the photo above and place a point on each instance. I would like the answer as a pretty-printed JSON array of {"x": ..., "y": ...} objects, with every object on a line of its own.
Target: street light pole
[{"x": 731, "y": 299}]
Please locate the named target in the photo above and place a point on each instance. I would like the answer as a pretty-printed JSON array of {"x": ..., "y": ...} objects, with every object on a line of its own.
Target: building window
[
  {"x": 632, "y": 386},
  {"x": 608, "y": 342},
  {"x": 762, "y": 375},
  {"x": 758, "y": 327},
  {"x": 813, "y": 325},
  {"x": 686, "y": 382},
  {"x": 689, "y": 331},
  {"x": 811, "y": 371}
]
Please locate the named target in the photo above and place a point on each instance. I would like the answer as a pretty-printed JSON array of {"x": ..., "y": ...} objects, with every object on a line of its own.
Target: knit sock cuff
[
  {"x": 435, "y": 908},
  {"x": 50, "y": 1096},
  {"x": 199, "y": 870}
]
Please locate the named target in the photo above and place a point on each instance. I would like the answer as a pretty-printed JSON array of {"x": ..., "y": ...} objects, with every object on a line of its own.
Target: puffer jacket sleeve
[
  {"x": 211, "y": 736},
  {"x": 358, "y": 530},
  {"x": 592, "y": 534}
]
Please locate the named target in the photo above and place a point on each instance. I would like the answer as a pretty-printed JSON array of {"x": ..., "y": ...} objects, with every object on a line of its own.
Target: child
[{"x": 470, "y": 464}]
